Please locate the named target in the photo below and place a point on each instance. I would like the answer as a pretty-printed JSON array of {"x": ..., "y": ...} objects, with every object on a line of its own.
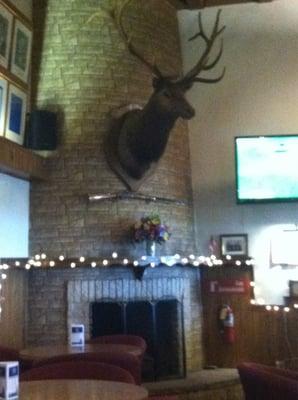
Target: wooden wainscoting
[
  {"x": 261, "y": 336},
  {"x": 12, "y": 323}
]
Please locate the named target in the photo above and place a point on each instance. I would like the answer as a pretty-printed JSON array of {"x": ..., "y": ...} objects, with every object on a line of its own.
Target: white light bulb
[
  {"x": 295, "y": 305},
  {"x": 252, "y": 284},
  {"x": 105, "y": 262},
  {"x": 184, "y": 260},
  {"x": 238, "y": 262},
  {"x": 93, "y": 264},
  {"x": 5, "y": 266},
  {"x": 228, "y": 257},
  {"x": 61, "y": 258},
  {"x": 82, "y": 259},
  {"x": 114, "y": 254},
  {"x": 286, "y": 309},
  {"x": 144, "y": 258},
  {"x": 275, "y": 308},
  {"x": 152, "y": 264},
  {"x": 3, "y": 276},
  {"x": 252, "y": 301},
  {"x": 72, "y": 265},
  {"x": 17, "y": 263},
  {"x": 43, "y": 256},
  {"x": 191, "y": 256},
  {"x": 27, "y": 266},
  {"x": 125, "y": 261},
  {"x": 135, "y": 263},
  {"x": 268, "y": 308},
  {"x": 37, "y": 263},
  {"x": 196, "y": 263},
  {"x": 37, "y": 256},
  {"x": 52, "y": 263},
  {"x": 31, "y": 262}
]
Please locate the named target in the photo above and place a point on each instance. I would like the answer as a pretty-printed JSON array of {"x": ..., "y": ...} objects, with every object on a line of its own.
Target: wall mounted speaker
[{"x": 41, "y": 130}]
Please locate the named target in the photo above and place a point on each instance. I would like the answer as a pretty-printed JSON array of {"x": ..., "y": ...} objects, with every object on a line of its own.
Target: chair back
[
  {"x": 78, "y": 370},
  {"x": 133, "y": 340},
  {"x": 126, "y": 361},
  {"x": 259, "y": 383},
  {"x": 10, "y": 354}
]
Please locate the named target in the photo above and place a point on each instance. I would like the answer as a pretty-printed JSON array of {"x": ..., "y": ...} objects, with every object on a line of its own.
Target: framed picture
[
  {"x": 234, "y": 245},
  {"x": 293, "y": 288},
  {"x": 16, "y": 114},
  {"x": 21, "y": 51},
  {"x": 3, "y": 102},
  {"x": 6, "y": 19}
]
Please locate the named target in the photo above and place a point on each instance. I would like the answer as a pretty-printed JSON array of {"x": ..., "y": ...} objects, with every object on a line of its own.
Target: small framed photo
[
  {"x": 293, "y": 288},
  {"x": 3, "y": 102},
  {"x": 16, "y": 114},
  {"x": 21, "y": 51},
  {"x": 6, "y": 19},
  {"x": 235, "y": 245}
]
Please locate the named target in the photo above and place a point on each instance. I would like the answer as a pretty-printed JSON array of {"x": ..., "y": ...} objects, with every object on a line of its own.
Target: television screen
[{"x": 266, "y": 168}]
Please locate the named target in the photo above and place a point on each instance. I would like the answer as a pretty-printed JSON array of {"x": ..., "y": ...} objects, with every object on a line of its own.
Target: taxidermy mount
[{"x": 138, "y": 136}]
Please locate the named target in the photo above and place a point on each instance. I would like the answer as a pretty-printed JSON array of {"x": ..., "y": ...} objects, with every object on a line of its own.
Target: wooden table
[
  {"x": 75, "y": 389},
  {"x": 40, "y": 352}
]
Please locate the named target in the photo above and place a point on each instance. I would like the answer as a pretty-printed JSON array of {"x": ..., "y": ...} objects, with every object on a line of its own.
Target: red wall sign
[{"x": 229, "y": 286}]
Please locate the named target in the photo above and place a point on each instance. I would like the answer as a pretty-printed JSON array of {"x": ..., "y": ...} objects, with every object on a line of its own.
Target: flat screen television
[{"x": 266, "y": 168}]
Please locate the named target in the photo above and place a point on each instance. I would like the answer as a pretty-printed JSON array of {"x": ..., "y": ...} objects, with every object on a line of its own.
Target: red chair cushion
[{"x": 78, "y": 370}]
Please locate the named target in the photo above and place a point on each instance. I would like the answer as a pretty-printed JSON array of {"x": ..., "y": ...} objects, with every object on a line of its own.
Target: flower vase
[{"x": 150, "y": 248}]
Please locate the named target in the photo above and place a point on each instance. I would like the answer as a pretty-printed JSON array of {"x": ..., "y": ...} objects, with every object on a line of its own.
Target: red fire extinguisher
[{"x": 226, "y": 323}]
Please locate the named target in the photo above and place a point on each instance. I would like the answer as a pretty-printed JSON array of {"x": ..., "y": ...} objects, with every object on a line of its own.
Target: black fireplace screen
[{"x": 160, "y": 323}]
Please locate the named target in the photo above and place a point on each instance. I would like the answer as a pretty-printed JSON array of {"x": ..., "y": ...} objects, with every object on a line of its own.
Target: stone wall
[
  {"x": 82, "y": 70},
  {"x": 58, "y": 297}
]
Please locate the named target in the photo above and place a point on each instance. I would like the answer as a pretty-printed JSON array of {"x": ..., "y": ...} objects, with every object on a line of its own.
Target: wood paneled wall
[
  {"x": 12, "y": 323},
  {"x": 261, "y": 336}
]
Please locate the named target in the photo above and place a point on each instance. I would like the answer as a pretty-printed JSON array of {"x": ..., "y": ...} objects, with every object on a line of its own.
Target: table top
[
  {"x": 40, "y": 352},
  {"x": 75, "y": 389}
]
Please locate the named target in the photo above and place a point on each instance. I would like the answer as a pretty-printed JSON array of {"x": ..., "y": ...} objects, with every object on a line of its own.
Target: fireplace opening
[{"x": 160, "y": 323}]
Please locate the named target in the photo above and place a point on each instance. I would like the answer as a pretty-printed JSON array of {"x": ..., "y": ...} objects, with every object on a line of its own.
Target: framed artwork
[
  {"x": 234, "y": 245},
  {"x": 293, "y": 288},
  {"x": 21, "y": 51},
  {"x": 6, "y": 19},
  {"x": 3, "y": 102},
  {"x": 16, "y": 114}
]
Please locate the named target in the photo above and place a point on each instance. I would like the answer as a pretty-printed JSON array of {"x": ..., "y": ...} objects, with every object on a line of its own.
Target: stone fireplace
[
  {"x": 82, "y": 70},
  {"x": 58, "y": 298}
]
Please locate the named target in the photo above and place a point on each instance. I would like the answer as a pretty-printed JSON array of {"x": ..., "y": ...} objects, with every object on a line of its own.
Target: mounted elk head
[{"x": 139, "y": 136}]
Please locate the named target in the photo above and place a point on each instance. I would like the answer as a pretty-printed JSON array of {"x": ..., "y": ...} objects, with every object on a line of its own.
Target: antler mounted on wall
[{"x": 138, "y": 137}]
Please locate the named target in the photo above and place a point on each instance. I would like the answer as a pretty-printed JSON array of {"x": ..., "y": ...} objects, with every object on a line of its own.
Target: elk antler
[
  {"x": 202, "y": 64},
  {"x": 152, "y": 67}
]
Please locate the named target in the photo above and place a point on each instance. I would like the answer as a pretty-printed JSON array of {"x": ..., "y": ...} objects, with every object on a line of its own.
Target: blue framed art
[
  {"x": 3, "y": 102},
  {"x": 16, "y": 114}
]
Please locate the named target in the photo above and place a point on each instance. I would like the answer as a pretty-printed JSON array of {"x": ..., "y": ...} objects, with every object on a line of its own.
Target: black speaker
[{"x": 41, "y": 130}]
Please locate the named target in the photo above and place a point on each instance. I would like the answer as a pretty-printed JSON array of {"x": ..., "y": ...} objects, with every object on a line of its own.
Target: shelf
[{"x": 19, "y": 162}]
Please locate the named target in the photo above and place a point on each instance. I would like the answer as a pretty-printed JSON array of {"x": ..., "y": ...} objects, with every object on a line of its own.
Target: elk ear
[{"x": 156, "y": 82}]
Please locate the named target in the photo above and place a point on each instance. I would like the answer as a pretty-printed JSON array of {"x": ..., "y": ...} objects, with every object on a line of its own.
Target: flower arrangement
[{"x": 150, "y": 228}]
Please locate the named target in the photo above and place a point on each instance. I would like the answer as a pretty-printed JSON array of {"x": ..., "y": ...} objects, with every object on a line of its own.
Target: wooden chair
[
  {"x": 123, "y": 360},
  {"x": 261, "y": 382},
  {"x": 78, "y": 370}
]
